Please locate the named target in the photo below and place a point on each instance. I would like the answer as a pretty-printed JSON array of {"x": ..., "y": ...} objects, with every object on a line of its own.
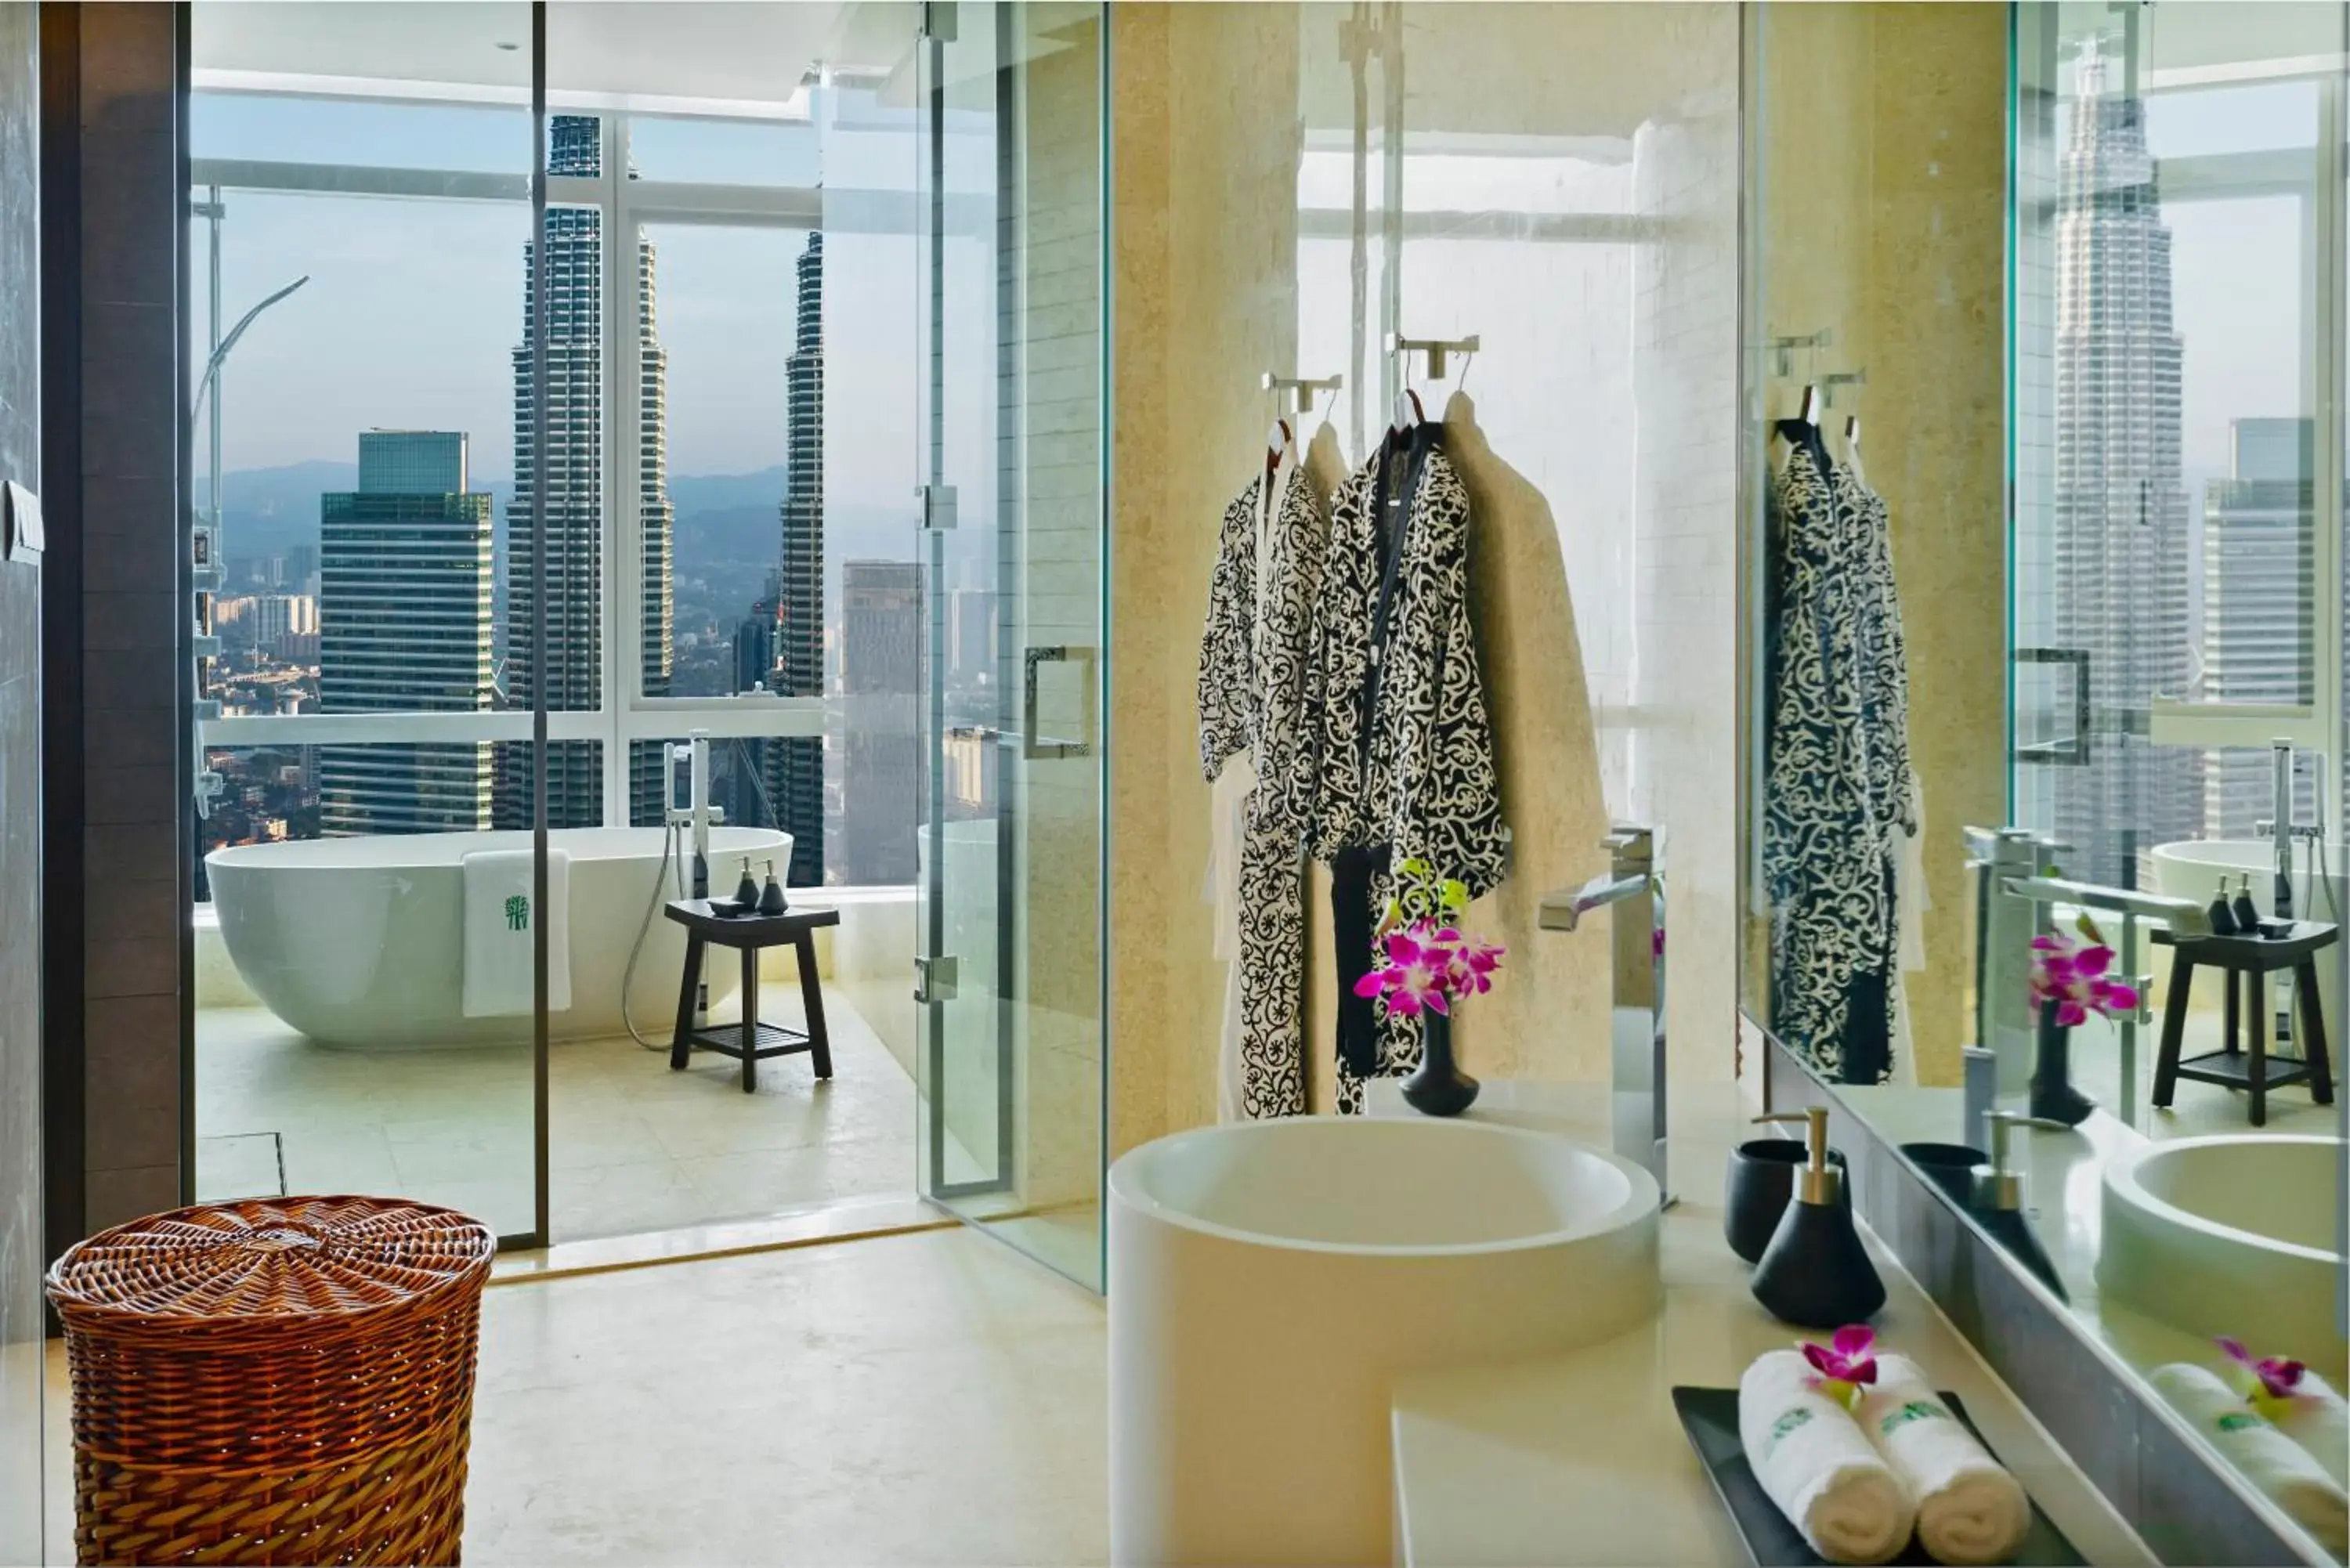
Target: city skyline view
[{"x": 752, "y": 544}]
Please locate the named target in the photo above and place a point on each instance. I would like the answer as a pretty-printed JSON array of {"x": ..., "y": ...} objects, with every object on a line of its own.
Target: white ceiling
[{"x": 665, "y": 51}]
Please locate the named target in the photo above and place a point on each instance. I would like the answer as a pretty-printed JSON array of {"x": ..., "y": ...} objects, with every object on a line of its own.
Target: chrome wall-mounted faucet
[{"x": 1636, "y": 1021}]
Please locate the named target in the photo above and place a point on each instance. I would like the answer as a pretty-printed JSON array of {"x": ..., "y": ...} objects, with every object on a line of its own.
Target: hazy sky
[{"x": 414, "y": 307}]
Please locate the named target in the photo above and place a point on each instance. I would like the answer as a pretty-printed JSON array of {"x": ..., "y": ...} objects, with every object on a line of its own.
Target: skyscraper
[
  {"x": 574, "y": 427},
  {"x": 2260, "y": 574},
  {"x": 405, "y": 628},
  {"x": 2121, "y": 518},
  {"x": 797, "y": 767},
  {"x": 881, "y": 682}
]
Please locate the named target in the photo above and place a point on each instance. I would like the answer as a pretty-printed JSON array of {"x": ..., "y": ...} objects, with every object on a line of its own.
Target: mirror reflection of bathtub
[{"x": 360, "y": 942}]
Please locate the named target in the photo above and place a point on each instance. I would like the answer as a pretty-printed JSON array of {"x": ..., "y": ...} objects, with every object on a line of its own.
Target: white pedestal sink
[
  {"x": 1268, "y": 1282},
  {"x": 2238, "y": 1236}
]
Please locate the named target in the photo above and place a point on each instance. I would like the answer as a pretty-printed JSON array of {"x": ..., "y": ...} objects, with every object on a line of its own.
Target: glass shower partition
[{"x": 1010, "y": 204}]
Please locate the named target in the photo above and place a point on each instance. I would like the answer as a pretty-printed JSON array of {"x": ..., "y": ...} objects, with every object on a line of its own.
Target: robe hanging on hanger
[
  {"x": 1251, "y": 686},
  {"x": 1395, "y": 708},
  {"x": 1838, "y": 786}
]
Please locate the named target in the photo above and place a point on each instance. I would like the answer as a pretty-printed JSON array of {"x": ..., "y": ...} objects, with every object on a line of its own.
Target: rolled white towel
[
  {"x": 1817, "y": 1465},
  {"x": 1970, "y": 1510},
  {"x": 2263, "y": 1455},
  {"x": 2318, "y": 1422}
]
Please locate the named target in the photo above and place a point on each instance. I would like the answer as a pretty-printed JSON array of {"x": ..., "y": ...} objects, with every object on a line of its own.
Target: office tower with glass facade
[
  {"x": 2260, "y": 569},
  {"x": 798, "y": 764},
  {"x": 2121, "y": 593},
  {"x": 573, "y": 427},
  {"x": 405, "y": 628}
]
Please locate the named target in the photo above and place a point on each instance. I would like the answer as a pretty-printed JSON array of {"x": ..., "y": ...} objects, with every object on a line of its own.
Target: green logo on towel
[
  {"x": 1915, "y": 1410},
  {"x": 1801, "y": 1416},
  {"x": 2239, "y": 1422},
  {"x": 517, "y": 913}
]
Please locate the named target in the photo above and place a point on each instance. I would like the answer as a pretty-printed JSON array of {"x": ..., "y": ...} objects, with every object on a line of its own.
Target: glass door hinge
[
  {"x": 937, "y": 21},
  {"x": 938, "y": 505},
  {"x": 934, "y": 977}
]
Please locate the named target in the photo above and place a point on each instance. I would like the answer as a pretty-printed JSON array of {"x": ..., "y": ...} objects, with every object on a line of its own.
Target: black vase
[
  {"x": 2053, "y": 1094},
  {"x": 1440, "y": 1089},
  {"x": 1759, "y": 1186}
]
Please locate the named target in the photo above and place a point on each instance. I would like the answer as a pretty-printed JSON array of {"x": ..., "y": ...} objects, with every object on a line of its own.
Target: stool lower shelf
[
  {"x": 774, "y": 1040},
  {"x": 2233, "y": 1069}
]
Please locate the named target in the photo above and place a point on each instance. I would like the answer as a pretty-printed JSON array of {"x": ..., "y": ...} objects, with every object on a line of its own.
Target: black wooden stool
[
  {"x": 2243, "y": 962},
  {"x": 750, "y": 1041}
]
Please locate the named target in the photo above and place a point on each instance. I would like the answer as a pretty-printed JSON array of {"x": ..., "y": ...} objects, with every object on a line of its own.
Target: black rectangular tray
[{"x": 1710, "y": 1416}]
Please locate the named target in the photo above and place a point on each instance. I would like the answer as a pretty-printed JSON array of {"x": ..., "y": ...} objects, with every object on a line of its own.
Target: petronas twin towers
[
  {"x": 572, "y": 429},
  {"x": 2121, "y": 586}
]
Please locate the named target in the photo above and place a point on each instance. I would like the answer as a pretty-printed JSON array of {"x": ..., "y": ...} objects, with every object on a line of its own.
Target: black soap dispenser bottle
[
  {"x": 771, "y": 899},
  {"x": 746, "y": 892},
  {"x": 2222, "y": 916},
  {"x": 1815, "y": 1274},
  {"x": 1998, "y": 1200},
  {"x": 2248, "y": 914}
]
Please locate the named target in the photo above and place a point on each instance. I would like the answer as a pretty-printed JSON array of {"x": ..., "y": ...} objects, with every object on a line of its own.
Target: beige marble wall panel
[
  {"x": 1882, "y": 218},
  {"x": 1204, "y": 188}
]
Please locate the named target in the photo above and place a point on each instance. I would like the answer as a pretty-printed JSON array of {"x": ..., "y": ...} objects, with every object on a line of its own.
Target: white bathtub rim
[
  {"x": 1640, "y": 1207},
  {"x": 2122, "y": 1185},
  {"x": 2243, "y": 854},
  {"x": 285, "y": 856}
]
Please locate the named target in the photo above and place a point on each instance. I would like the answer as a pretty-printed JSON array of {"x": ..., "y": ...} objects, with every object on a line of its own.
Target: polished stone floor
[
  {"x": 929, "y": 1398},
  {"x": 632, "y": 1146}
]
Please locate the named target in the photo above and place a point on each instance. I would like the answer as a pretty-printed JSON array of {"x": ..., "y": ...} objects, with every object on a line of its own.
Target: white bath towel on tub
[{"x": 498, "y": 925}]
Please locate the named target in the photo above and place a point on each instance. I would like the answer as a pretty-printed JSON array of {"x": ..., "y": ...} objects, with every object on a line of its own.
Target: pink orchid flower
[
  {"x": 1844, "y": 1365},
  {"x": 2270, "y": 1380},
  {"x": 2072, "y": 978},
  {"x": 1414, "y": 976}
]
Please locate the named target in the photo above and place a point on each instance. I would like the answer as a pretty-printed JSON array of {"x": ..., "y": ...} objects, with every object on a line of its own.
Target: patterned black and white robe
[
  {"x": 1251, "y": 693},
  {"x": 1396, "y": 707},
  {"x": 1837, "y": 787}
]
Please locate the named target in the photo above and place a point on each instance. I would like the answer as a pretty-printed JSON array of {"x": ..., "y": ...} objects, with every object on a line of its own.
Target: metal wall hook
[
  {"x": 1302, "y": 387},
  {"x": 1433, "y": 349},
  {"x": 1835, "y": 379},
  {"x": 1783, "y": 349}
]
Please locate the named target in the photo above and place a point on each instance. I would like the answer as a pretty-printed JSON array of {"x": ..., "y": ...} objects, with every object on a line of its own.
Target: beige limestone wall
[
  {"x": 1882, "y": 217},
  {"x": 1204, "y": 155}
]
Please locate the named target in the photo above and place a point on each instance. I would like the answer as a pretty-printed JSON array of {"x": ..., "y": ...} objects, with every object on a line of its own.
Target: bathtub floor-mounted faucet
[
  {"x": 1636, "y": 1028},
  {"x": 695, "y": 814}
]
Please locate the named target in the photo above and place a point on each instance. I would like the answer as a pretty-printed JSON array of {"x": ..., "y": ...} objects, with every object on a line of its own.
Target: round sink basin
[
  {"x": 1269, "y": 1281},
  {"x": 2236, "y": 1236}
]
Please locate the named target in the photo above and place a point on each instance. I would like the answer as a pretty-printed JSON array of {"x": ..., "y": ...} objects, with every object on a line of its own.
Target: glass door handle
[
  {"x": 1034, "y": 747},
  {"x": 2074, "y": 753}
]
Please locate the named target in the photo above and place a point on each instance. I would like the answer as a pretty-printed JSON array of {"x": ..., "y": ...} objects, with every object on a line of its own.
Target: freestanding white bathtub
[{"x": 360, "y": 942}]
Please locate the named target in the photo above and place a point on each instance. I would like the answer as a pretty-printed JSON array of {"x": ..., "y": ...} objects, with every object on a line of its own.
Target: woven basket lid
[{"x": 314, "y": 1259}]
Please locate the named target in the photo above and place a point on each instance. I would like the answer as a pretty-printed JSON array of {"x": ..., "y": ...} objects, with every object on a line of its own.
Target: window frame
[{"x": 625, "y": 205}]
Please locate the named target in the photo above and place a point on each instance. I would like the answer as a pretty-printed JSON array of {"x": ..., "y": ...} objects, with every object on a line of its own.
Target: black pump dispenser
[
  {"x": 1999, "y": 1200},
  {"x": 2222, "y": 917},
  {"x": 2248, "y": 915},
  {"x": 771, "y": 900},
  {"x": 746, "y": 892},
  {"x": 1815, "y": 1274}
]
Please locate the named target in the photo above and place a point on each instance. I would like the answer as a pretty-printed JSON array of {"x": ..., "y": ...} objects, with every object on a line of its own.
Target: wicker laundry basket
[{"x": 275, "y": 1381}]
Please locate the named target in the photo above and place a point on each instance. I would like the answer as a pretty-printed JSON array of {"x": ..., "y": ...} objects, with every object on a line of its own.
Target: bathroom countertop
[{"x": 1580, "y": 1459}]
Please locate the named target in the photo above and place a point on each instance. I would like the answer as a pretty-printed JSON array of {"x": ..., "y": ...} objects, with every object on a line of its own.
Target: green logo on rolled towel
[
  {"x": 517, "y": 913},
  {"x": 1913, "y": 1410},
  {"x": 1801, "y": 1416},
  {"x": 2239, "y": 1421}
]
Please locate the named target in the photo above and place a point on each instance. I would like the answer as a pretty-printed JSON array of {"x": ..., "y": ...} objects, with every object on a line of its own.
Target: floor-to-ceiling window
[{"x": 375, "y": 442}]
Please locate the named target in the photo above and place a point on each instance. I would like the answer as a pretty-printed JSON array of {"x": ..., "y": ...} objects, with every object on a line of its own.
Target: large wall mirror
[{"x": 2046, "y": 473}]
